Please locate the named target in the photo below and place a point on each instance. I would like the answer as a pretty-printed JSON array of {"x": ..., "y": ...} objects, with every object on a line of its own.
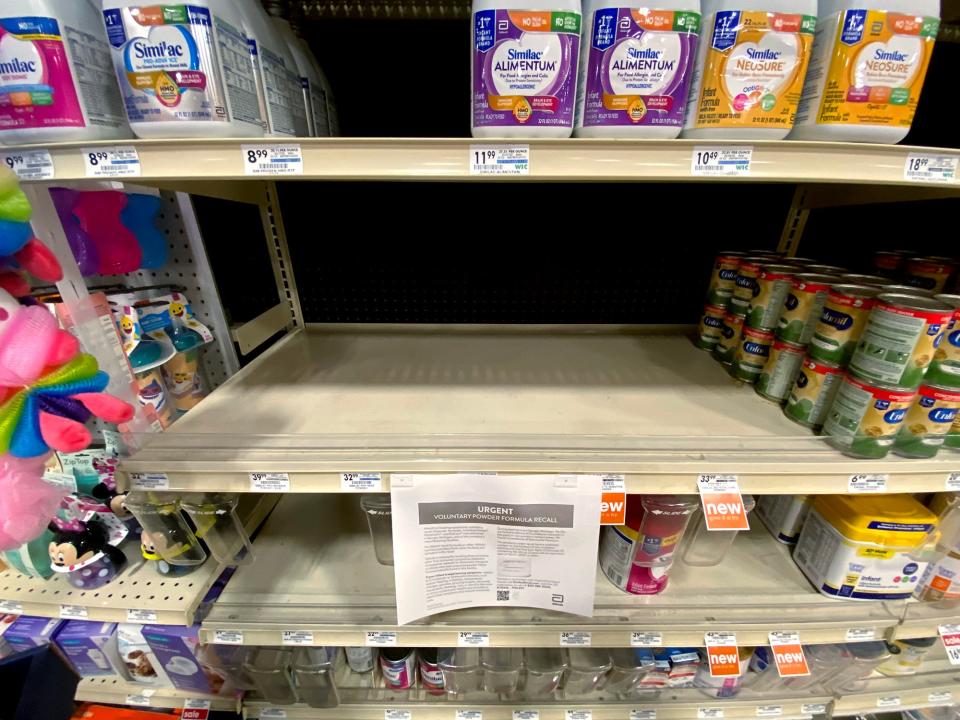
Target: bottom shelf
[
  {"x": 114, "y": 691},
  {"x": 937, "y": 686}
]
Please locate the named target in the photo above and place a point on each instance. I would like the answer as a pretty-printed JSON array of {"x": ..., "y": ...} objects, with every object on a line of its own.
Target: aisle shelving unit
[
  {"x": 937, "y": 685},
  {"x": 111, "y": 690}
]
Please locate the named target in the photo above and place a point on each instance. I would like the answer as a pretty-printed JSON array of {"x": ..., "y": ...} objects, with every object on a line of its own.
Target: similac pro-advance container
[
  {"x": 56, "y": 74},
  {"x": 636, "y": 60},
  {"x": 865, "y": 547},
  {"x": 524, "y": 67},
  {"x": 310, "y": 83},
  {"x": 867, "y": 70},
  {"x": 750, "y": 68},
  {"x": 184, "y": 70}
]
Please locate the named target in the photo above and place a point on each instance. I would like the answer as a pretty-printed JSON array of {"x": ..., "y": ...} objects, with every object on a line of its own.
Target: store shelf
[
  {"x": 114, "y": 691},
  {"x": 641, "y": 401},
  {"x": 937, "y": 685},
  {"x": 315, "y": 571},
  {"x": 154, "y": 598},
  {"x": 924, "y": 619}
]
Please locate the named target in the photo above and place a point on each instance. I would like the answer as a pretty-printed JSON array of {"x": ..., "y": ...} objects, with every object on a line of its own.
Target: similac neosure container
[
  {"x": 184, "y": 70},
  {"x": 636, "y": 60},
  {"x": 865, "y": 547},
  {"x": 750, "y": 68},
  {"x": 867, "y": 70},
  {"x": 524, "y": 67},
  {"x": 54, "y": 57}
]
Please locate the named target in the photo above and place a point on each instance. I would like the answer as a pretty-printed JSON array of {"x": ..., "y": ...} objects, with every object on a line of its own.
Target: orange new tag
[
  {"x": 722, "y": 654},
  {"x": 788, "y": 654},
  {"x": 613, "y": 500},
  {"x": 722, "y": 504}
]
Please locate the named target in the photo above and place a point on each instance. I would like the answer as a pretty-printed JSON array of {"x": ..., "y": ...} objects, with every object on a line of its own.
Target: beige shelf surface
[
  {"x": 641, "y": 401},
  {"x": 139, "y": 587},
  {"x": 924, "y": 619},
  {"x": 114, "y": 691},
  {"x": 936, "y": 686},
  {"x": 315, "y": 571}
]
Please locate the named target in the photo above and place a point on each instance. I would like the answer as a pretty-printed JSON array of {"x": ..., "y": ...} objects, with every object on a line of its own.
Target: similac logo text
[
  {"x": 142, "y": 49},
  {"x": 167, "y": 47},
  {"x": 765, "y": 60},
  {"x": 890, "y": 62},
  {"x": 645, "y": 59},
  {"x": 525, "y": 61},
  {"x": 16, "y": 66}
]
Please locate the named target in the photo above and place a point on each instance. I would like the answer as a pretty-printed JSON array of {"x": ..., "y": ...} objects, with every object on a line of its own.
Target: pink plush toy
[
  {"x": 30, "y": 341},
  {"x": 26, "y": 502}
]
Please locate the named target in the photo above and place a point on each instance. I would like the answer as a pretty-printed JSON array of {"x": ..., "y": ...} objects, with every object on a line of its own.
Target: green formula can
[
  {"x": 928, "y": 421},
  {"x": 952, "y": 440},
  {"x": 723, "y": 279},
  {"x": 773, "y": 284},
  {"x": 844, "y": 316},
  {"x": 711, "y": 323},
  {"x": 945, "y": 369},
  {"x": 752, "y": 353},
  {"x": 864, "y": 419},
  {"x": 813, "y": 392},
  {"x": 726, "y": 347},
  {"x": 780, "y": 373},
  {"x": 803, "y": 307},
  {"x": 900, "y": 339}
]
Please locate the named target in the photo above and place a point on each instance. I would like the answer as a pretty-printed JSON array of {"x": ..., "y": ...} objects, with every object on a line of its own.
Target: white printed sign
[
  {"x": 646, "y": 639},
  {"x": 921, "y": 167},
  {"x": 136, "y": 615},
  {"x": 769, "y": 710},
  {"x": 721, "y": 161},
  {"x": 397, "y": 715},
  {"x": 709, "y": 713},
  {"x": 29, "y": 164},
  {"x": 953, "y": 482},
  {"x": 867, "y": 483},
  {"x": 473, "y": 639},
  {"x": 272, "y": 159},
  {"x": 149, "y": 481},
  {"x": 74, "y": 612},
  {"x": 500, "y": 160},
  {"x": 575, "y": 639},
  {"x": 643, "y": 714},
  {"x": 297, "y": 637},
  {"x": 227, "y": 637},
  {"x": 861, "y": 634},
  {"x": 950, "y": 635},
  {"x": 270, "y": 482},
  {"x": 361, "y": 482},
  {"x": 111, "y": 162},
  {"x": 888, "y": 701},
  {"x": 526, "y": 715},
  {"x": 11, "y": 607},
  {"x": 378, "y": 638}
]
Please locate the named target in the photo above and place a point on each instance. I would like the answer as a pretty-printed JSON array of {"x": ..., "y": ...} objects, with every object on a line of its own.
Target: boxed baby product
[{"x": 85, "y": 643}]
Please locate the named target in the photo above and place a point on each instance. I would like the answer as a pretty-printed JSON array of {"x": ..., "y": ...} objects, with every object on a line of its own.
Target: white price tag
[
  {"x": 397, "y": 715},
  {"x": 111, "y": 162},
  {"x": 646, "y": 639},
  {"x": 769, "y": 710},
  {"x": 709, "y": 713},
  {"x": 940, "y": 697},
  {"x": 950, "y": 635},
  {"x": 141, "y": 700},
  {"x": 720, "y": 639},
  {"x": 297, "y": 637},
  {"x": 861, "y": 634},
  {"x": 379, "y": 638},
  {"x": 500, "y": 160},
  {"x": 888, "y": 701},
  {"x": 644, "y": 714},
  {"x": 526, "y": 715},
  {"x": 813, "y": 709},
  {"x": 141, "y": 616},
  {"x": 74, "y": 612},
  {"x": 930, "y": 168},
  {"x": 468, "y": 715},
  {"x": 272, "y": 159},
  {"x": 953, "y": 482},
  {"x": 578, "y": 714},
  {"x": 195, "y": 709},
  {"x": 273, "y": 713},
  {"x": 473, "y": 639},
  {"x": 574, "y": 639},
  {"x": 361, "y": 482},
  {"x": 721, "y": 161},
  {"x": 867, "y": 483},
  {"x": 227, "y": 637},
  {"x": 30, "y": 164},
  {"x": 10, "y": 607},
  {"x": 149, "y": 481},
  {"x": 269, "y": 482}
]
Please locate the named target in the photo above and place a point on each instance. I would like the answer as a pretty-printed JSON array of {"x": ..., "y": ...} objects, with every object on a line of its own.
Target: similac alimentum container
[
  {"x": 523, "y": 63},
  {"x": 867, "y": 70},
  {"x": 636, "y": 61},
  {"x": 184, "y": 70},
  {"x": 865, "y": 547},
  {"x": 54, "y": 57},
  {"x": 750, "y": 69}
]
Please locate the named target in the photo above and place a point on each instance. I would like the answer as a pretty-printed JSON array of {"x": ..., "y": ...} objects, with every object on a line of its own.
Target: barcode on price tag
[
  {"x": 709, "y": 713},
  {"x": 397, "y": 715},
  {"x": 74, "y": 612},
  {"x": 953, "y": 482},
  {"x": 297, "y": 637},
  {"x": 574, "y": 639},
  {"x": 111, "y": 162},
  {"x": 643, "y": 714},
  {"x": 361, "y": 482},
  {"x": 272, "y": 159},
  {"x": 867, "y": 483},
  {"x": 473, "y": 639},
  {"x": 468, "y": 715},
  {"x": 578, "y": 715},
  {"x": 888, "y": 701},
  {"x": 930, "y": 168},
  {"x": 227, "y": 637},
  {"x": 379, "y": 638},
  {"x": 861, "y": 634},
  {"x": 141, "y": 616},
  {"x": 149, "y": 481},
  {"x": 500, "y": 160},
  {"x": 11, "y": 607},
  {"x": 646, "y": 639},
  {"x": 950, "y": 634},
  {"x": 30, "y": 164},
  {"x": 270, "y": 482},
  {"x": 195, "y": 709},
  {"x": 526, "y": 715},
  {"x": 721, "y": 161},
  {"x": 613, "y": 500}
]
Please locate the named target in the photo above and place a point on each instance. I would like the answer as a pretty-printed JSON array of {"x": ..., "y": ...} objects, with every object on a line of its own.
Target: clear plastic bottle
[
  {"x": 53, "y": 56},
  {"x": 184, "y": 70},
  {"x": 867, "y": 70},
  {"x": 750, "y": 69}
]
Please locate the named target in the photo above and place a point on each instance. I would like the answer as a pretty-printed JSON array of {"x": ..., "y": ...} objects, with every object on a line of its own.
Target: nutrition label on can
[
  {"x": 887, "y": 346},
  {"x": 847, "y": 411}
]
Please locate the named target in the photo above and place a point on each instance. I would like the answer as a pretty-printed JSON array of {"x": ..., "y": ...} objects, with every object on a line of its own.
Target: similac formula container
[
  {"x": 863, "y": 547},
  {"x": 750, "y": 69},
  {"x": 784, "y": 515},
  {"x": 524, "y": 66},
  {"x": 184, "y": 70},
  {"x": 635, "y": 66},
  {"x": 54, "y": 56},
  {"x": 314, "y": 97},
  {"x": 867, "y": 70}
]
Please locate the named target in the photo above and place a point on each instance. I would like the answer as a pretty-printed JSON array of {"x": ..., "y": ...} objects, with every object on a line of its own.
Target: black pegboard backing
[{"x": 518, "y": 253}]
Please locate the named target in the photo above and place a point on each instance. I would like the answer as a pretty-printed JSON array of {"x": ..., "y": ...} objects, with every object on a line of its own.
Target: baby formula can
[
  {"x": 864, "y": 547},
  {"x": 952, "y": 441},
  {"x": 929, "y": 273},
  {"x": 910, "y": 658},
  {"x": 398, "y": 667},
  {"x": 900, "y": 339},
  {"x": 431, "y": 678},
  {"x": 826, "y": 269},
  {"x": 752, "y": 354},
  {"x": 803, "y": 307},
  {"x": 945, "y": 368},
  {"x": 870, "y": 280},
  {"x": 711, "y": 327},
  {"x": 864, "y": 419},
  {"x": 813, "y": 392},
  {"x": 928, "y": 421},
  {"x": 745, "y": 285},
  {"x": 723, "y": 279},
  {"x": 908, "y": 290},
  {"x": 889, "y": 263},
  {"x": 773, "y": 284},
  {"x": 844, "y": 315},
  {"x": 780, "y": 373},
  {"x": 784, "y": 515},
  {"x": 726, "y": 347},
  {"x": 941, "y": 580}
]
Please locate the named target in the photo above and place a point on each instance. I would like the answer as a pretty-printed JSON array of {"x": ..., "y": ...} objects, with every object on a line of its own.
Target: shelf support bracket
[{"x": 795, "y": 223}]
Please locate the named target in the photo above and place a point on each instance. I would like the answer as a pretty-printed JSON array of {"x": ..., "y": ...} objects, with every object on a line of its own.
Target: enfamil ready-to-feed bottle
[
  {"x": 636, "y": 61},
  {"x": 523, "y": 63},
  {"x": 750, "y": 69},
  {"x": 56, "y": 74},
  {"x": 867, "y": 70},
  {"x": 184, "y": 70}
]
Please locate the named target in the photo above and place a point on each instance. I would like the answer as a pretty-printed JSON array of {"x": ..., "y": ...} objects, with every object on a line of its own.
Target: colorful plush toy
[
  {"x": 30, "y": 341},
  {"x": 19, "y": 250},
  {"x": 26, "y": 502}
]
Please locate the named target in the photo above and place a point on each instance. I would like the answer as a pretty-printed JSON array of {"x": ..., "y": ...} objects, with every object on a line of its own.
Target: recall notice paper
[{"x": 508, "y": 541}]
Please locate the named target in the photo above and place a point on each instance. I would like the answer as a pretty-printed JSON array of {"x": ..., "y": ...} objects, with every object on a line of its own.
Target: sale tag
[
  {"x": 500, "y": 160},
  {"x": 953, "y": 482},
  {"x": 74, "y": 612},
  {"x": 10, "y": 607},
  {"x": 149, "y": 481},
  {"x": 769, "y": 710},
  {"x": 526, "y": 715},
  {"x": 950, "y": 634},
  {"x": 297, "y": 637},
  {"x": 788, "y": 654},
  {"x": 721, "y": 161},
  {"x": 722, "y": 654},
  {"x": 613, "y": 500},
  {"x": 30, "y": 164},
  {"x": 270, "y": 482},
  {"x": 646, "y": 639},
  {"x": 930, "y": 168},
  {"x": 473, "y": 639},
  {"x": 861, "y": 634},
  {"x": 709, "y": 713},
  {"x": 722, "y": 505},
  {"x": 361, "y": 482},
  {"x": 888, "y": 701},
  {"x": 195, "y": 709},
  {"x": 643, "y": 714},
  {"x": 227, "y": 637},
  {"x": 135, "y": 615},
  {"x": 378, "y": 638},
  {"x": 111, "y": 162},
  {"x": 574, "y": 639},
  {"x": 272, "y": 159},
  {"x": 867, "y": 483}
]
